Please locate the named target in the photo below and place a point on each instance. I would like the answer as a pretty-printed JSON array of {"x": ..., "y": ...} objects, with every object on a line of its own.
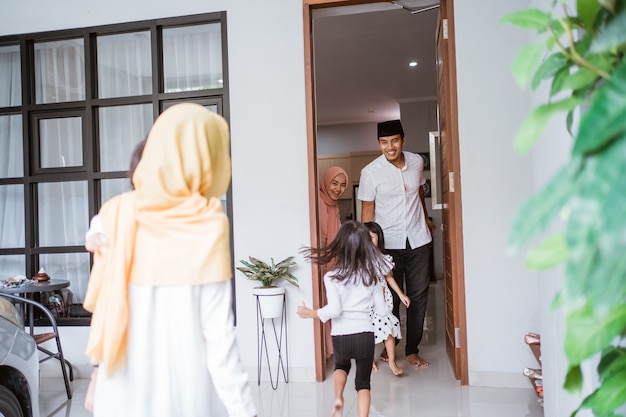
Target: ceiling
[{"x": 361, "y": 57}]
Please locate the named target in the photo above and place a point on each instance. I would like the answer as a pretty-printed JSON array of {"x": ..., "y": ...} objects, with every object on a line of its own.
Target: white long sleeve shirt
[{"x": 349, "y": 305}]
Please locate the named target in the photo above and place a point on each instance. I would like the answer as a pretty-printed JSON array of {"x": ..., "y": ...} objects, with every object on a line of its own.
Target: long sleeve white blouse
[{"x": 349, "y": 305}]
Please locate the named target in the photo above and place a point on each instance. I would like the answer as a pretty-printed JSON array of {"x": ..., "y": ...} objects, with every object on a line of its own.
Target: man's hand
[{"x": 431, "y": 225}]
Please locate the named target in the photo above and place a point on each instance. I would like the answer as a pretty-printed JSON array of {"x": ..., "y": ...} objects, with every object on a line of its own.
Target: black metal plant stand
[{"x": 278, "y": 327}]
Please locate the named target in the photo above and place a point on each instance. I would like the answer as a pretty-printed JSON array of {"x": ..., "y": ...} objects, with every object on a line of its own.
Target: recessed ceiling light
[{"x": 413, "y": 64}]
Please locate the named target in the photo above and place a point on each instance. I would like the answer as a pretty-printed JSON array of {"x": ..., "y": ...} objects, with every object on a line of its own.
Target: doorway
[{"x": 455, "y": 313}]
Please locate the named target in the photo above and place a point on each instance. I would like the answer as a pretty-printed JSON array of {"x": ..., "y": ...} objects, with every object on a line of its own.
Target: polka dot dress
[{"x": 387, "y": 324}]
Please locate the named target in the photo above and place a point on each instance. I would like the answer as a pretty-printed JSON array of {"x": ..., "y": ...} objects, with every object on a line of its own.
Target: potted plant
[
  {"x": 581, "y": 53},
  {"x": 269, "y": 295}
]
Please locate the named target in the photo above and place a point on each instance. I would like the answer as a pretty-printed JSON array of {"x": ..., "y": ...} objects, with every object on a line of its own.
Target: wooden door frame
[
  {"x": 455, "y": 226},
  {"x": 456, "y": 220}
]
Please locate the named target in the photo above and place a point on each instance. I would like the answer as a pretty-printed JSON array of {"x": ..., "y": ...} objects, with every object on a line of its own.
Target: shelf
[
  {"x": 536, "y": 349},
  {"x": 537, "y": 383}
]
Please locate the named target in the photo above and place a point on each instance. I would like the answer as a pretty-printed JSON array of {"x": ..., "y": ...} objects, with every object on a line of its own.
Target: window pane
[
  {"x": 60, "y": 142},
  {"x": 111, "y": 188},
  {"x": 124, "y": 65},
  {"x": 63, "y": 218},
  {"x": 12, "y": 265},
  {"x": 192, "y": 58},
  {"x": 71, "y": 266},
  {"x": 121, "y": 128},
  {"x": 12, "y": 155},
  {"x": 10, "y": 76},
  {"x": 12, "y": 227},
  {"x": 59, "y": 71}
]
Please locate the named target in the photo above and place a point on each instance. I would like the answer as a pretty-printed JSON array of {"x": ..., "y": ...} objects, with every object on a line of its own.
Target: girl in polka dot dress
[{"x": 387, "y": 327}]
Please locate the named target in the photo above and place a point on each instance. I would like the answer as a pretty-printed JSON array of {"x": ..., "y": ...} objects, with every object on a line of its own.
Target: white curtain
[
  {"x": 192, "y": 61},
  {"x": 192, "y": 58},
  {"x": 59, "y": 71},
  {"x": 12, "y": 228},
  {"x": 124, "y": 69}
]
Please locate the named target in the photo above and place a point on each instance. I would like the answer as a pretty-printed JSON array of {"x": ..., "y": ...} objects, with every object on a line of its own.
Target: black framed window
[{"x": 73, "y": 105}]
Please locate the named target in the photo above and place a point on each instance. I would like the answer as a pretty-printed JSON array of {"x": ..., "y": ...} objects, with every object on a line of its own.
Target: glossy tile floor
[{"x": 429, "y": 392}]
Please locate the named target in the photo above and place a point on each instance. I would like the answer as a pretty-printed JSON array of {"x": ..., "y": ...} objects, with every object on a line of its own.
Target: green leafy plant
[
  {"x": 268, "y": 274},
  {"x": 580, "y": 53}
]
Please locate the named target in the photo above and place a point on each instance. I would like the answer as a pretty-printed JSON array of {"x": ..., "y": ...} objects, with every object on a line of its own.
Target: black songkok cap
[{"x": 390, "y": 128}]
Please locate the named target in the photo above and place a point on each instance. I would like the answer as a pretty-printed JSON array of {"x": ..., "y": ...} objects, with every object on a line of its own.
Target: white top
[
  {"x": 397, "y": 205},
  {"x": 183, "y": 358},
  {"x": 349, "y": 305}
]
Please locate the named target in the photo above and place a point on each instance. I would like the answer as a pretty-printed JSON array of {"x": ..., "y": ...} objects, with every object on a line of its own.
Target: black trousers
[{"x": 413, "y": 273}]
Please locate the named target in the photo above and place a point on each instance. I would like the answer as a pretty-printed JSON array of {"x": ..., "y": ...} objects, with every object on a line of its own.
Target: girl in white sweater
[{"x": 352, "y": 290}]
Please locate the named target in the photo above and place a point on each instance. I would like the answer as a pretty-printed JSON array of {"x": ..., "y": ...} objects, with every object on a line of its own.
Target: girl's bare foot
[
  {"x": 337, "y": 408},
  {"x": 397, "y": 371},
  {"x": 374, "y": 366}
]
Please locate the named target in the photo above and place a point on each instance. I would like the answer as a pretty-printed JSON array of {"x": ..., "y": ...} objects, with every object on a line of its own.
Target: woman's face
[
  {"x": 374, "y": 237},
  {"x": 337, "y": 186}
]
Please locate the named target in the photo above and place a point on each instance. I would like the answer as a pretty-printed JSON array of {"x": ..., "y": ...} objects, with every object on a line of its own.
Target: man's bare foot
[
  {"x": 383, "y": 356},
  {"x": 397, "y": 371},
  {"x": 337, "y": 408},
  {"x": 374, "y": 366},
  {"x": 416, "y": 361}
]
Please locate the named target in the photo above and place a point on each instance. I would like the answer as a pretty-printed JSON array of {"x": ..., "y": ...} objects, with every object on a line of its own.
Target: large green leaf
[
  {"x": 606, "y": 117},
  {"x": 580, "y": 79},
  {"x": 613, "y": 361},
  {"x": 609, "y": 396},
  {"x": 548, "y": 254},
  {"x": 595, "y": 229},
  {"x": 526, "y": 62},
  {"x": 538, "y": 211},
  {"x": 548, "y": 68},
  {"x": 537, "y": 120},
  {"x": 587, "y": 10},
  {"x": 613, "y": 36},
  {"x": 533, "y": 19},
  {"x": 588, "y": 331},
  {"x": 573, "y": 380},
  {"x": 558, "y": 80}
]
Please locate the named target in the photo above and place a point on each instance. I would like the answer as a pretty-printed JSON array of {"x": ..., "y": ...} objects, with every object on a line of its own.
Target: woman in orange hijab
[
  {"x": 333, "y": 186},
  {"x": 334, "y": 183},
  {"x": 162, "y": 327}
]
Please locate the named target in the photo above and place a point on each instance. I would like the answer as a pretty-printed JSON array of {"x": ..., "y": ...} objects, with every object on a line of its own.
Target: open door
[
  {"x": 456, "y": 339},
  {"x": 454, "y": 287}
]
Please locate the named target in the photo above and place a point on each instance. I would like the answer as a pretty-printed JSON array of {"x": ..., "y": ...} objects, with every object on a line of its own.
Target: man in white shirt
[{"x": 391, "y": 194}]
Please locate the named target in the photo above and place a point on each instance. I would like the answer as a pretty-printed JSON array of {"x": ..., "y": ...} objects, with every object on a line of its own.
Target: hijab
[
  {"x": 330, "y": 221},
  {"x": 170, "y": 230}
]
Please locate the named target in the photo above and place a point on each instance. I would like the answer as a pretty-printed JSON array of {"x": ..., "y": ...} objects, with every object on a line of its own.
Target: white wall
[
  {"x": 269, "y": 165},
  {"x": 270, "y": 196},
  {"x": 346, "y": 138},
  {"x": 501, "y": 296}
]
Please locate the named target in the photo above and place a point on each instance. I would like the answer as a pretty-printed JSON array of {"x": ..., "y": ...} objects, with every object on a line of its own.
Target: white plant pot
[{"x": 270, "y": 301}]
